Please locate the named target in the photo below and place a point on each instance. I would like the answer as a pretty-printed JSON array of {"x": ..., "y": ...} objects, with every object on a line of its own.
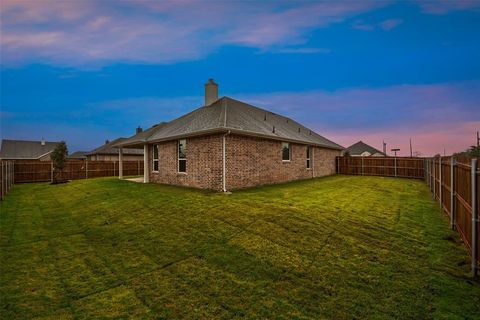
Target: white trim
[
  {"x": 224, "y": 162},
  {"x": 146, "y": 172}
]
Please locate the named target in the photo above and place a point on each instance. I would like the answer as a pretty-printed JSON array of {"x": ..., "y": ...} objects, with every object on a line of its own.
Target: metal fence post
[
  {"x": 452, "y": 193},
  {"x": 434, "y": 179},
  {"x": 363, "y": 168},
  {"x": 86, "y": 169},
  {"x": 440, "y": 187},
  {"x": 474, "y": 217},
  {"x": 395, "y": 164},
  {"x": 51, "y": 171}
]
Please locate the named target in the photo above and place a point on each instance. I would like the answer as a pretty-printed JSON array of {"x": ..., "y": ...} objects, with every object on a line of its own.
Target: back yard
[{"x": 337, "y": 247}]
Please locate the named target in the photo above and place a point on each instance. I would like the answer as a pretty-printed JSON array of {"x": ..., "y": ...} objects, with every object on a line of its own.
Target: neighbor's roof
[
  {"x": 227, "y": 114},
  {"x": 360, "y": 147},
  {"x": 110, "y": 148},
  {"x": 21, "y": 149},
  {"x": 141, "y": 138},
  {"x": 78, "y": 155}
]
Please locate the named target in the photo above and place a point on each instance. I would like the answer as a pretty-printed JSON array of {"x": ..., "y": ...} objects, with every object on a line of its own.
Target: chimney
[
  {"x": 42, "y": 142},
  {"x": 138, "y": 130},
  {"x": 211, "y": 92},
  {"x": 106, "y": 141}
]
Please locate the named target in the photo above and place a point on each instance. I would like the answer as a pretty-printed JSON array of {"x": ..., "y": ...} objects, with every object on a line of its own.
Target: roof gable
[{"x": 360, "y": 147}]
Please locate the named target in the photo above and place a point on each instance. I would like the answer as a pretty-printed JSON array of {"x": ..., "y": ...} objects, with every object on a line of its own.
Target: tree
[{"x": 59, "y": 157}]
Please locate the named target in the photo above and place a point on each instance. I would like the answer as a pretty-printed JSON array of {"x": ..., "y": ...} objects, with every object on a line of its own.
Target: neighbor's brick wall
[
  {"x": 255, "y": 161},
  {"x": 204, "y": 163}
]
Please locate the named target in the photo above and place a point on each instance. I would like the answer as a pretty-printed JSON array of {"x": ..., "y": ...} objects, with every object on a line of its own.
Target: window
[
  {"x": 182, "y": 155},
  {"x": 285, "y": 151},
  {"x": 155, "y": 157},
  {"x": 309, "y": 157}
]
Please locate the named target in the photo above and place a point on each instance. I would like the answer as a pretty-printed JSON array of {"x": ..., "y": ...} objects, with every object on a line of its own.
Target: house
[
  {"x": 227, "y": 144},
  {"x": 361, "y": 149},
  {"x": 108, "y": 152},
  {"x": 78, "y": 155},
  {"x": 27, "y": 150}
]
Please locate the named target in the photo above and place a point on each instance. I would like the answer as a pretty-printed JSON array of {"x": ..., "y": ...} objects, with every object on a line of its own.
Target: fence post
[
  {"x": 8, "y": 175},
  {"x": 440, "y": 182},
  {"x": 86, "y": 169},
  {"x": 363, "y": 170},
  {"x": 434, "y": 180},
  {"x": 453, "y": 193},
  {"x": 474, "y": 216},
  {"x": 395, "y": 165}
]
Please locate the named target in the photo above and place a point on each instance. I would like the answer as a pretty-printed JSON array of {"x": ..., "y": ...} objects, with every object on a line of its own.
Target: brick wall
[
  {"x": 250, "y": 162},
  {"x": 204, "y": 163},
  {"x": 254, "y": 161}
]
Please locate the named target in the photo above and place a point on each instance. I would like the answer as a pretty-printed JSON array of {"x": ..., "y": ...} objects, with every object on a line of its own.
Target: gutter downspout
[{"x": 224, "y": 160}]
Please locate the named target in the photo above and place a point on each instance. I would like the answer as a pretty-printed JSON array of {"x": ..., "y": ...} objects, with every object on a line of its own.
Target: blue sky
[{"x": 89, "y": 71}]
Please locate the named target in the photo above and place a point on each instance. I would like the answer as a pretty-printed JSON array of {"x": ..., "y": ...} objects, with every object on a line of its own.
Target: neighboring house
[
  {"x": 27, "y": 150},
  {"x": 227, "y": 144},
  {"x": 108, "y": 152},
  {"x": 361, "y": 149},
  {"x": 78, "y": 155}
]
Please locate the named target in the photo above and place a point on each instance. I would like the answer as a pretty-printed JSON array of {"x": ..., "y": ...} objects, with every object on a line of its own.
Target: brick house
[{"x": 227, "y": 144}]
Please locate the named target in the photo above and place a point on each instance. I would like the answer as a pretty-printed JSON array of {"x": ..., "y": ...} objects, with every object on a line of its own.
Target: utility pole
[{"x": 411, "y": 154}]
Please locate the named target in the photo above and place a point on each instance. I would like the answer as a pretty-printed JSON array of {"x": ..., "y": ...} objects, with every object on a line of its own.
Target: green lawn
[{"x": 340, "y": 247}]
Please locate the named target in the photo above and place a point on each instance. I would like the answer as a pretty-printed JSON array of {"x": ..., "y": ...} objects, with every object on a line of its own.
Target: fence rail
[
  {"x": 6, "y": 177},
  {"x": 455, "y": 184},
  {"x": 42, "y": 171},
  {"x": 382, "y": 166}
]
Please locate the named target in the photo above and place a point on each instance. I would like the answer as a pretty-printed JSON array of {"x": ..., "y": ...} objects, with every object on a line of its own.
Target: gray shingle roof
[
  {"x": 227, "y": 114},
  {"x": 360, "y": 147},
  {"x": 21, "y": 149},
  {"x": 78, "y": 155},
  {"x": 109, "y": 148},
  {"x": 139, "y": 139}
]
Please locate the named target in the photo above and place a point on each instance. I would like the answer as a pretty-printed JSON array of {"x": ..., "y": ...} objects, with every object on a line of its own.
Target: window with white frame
[
  {"x": 182, "y": 155},
  {"x": 309, "y": 157},
  {"x": 155, "y": 157},
  {"x": 286, "y": 151}
]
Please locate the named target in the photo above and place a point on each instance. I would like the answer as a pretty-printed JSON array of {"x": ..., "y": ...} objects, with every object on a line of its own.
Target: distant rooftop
[{"x": 24, "y": 149}]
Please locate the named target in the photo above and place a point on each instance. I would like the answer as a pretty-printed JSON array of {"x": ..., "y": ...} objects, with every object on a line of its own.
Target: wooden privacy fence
[
  {"x": 6, "y": 177},
  {"x": 382, "y": 166},
  {"x": 42, "y": 171},
  {"x": 454, "y": 183}
]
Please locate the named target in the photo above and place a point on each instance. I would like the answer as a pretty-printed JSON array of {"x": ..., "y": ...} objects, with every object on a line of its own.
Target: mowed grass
[{"x": 340, "y": 247}]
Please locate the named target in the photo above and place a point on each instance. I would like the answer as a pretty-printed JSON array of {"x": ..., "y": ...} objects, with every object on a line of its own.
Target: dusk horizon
[{"x": 90, "y": 71}]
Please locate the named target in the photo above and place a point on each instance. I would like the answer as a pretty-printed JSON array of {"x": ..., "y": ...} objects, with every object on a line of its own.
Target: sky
[{"x": 88, "y": 71}]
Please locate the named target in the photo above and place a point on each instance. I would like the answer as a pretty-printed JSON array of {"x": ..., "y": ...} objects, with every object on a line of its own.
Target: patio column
[
  {"x": 120, "y": 163},
  {"x": 145, "y": 164}
]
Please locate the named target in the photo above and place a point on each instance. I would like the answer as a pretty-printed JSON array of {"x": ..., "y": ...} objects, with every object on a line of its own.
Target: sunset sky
[{"x": 87, "y": 71}]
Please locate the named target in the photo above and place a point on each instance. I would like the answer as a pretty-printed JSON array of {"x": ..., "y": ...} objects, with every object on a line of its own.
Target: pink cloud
[
  {"x": 100, "y": 32},
  {"x": 388, "y": 25},
  {"x": 435, "y": 116},
  {"x": 445, "y": 6}
]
